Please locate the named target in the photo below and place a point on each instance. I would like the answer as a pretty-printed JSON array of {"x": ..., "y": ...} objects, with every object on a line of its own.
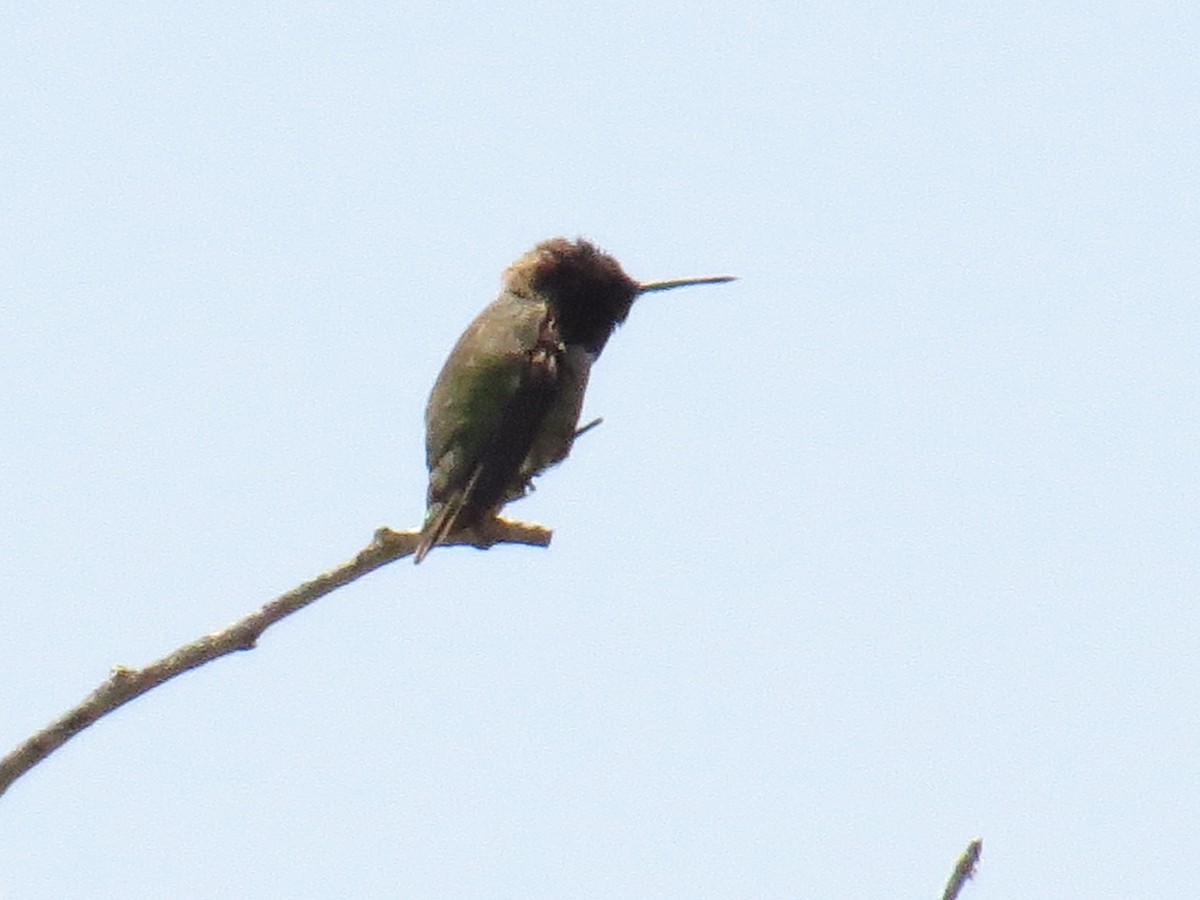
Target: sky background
[{"x": 890, "y": 544}]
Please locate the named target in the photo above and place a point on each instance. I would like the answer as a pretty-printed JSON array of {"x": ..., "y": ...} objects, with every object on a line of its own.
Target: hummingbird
[{"x": 506, "y": 404}]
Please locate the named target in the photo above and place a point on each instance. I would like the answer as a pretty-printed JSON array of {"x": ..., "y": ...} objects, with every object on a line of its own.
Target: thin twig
[
  {"x": 125, "y": 684},
  {"x": 964, "y": 869}
]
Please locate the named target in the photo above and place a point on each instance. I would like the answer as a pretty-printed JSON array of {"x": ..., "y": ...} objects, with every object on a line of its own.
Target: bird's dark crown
[{"x": 587, "y": 289}]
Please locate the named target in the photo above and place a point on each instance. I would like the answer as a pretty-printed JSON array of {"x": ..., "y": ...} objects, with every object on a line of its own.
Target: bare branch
[
  {"x": 964, "y": 869},
  {"x": 125, "y": 684}
]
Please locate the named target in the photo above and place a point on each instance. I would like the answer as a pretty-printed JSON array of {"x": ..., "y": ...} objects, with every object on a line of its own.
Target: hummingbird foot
[
  {"x": 497, "y": 530},
  {"x": 586, "y": 428}
]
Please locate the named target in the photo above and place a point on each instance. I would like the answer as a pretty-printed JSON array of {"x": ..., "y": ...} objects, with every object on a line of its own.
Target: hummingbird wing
[{"x": 485, "y": 412}]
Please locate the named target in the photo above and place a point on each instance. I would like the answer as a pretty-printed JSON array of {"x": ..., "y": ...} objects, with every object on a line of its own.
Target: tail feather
[
  {"x": 444, "y": 521},
  {"x": 437, "y": 527}
]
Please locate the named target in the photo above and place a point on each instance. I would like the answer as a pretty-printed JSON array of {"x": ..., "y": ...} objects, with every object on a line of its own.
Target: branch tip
[{"x": 964, "y": 869}]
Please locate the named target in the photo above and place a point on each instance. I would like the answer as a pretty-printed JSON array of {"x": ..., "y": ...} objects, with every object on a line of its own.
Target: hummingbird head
[{"x": 587, "y": 289}]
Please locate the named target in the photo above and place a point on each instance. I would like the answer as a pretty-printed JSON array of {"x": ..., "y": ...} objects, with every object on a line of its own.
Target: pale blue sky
[{"x": 890, "y": 544}]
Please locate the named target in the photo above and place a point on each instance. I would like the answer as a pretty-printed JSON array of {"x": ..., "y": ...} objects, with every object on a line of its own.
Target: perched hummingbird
[{"x": 506, "y": 404}]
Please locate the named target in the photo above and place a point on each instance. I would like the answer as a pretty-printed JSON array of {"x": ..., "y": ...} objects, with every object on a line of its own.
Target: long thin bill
[{"x": 647, "y": 287}]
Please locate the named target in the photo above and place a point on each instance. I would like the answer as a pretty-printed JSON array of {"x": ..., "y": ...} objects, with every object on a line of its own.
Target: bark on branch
[
  {"x": 125, "y": 684},
  {"x": 964, "y": 869}
]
